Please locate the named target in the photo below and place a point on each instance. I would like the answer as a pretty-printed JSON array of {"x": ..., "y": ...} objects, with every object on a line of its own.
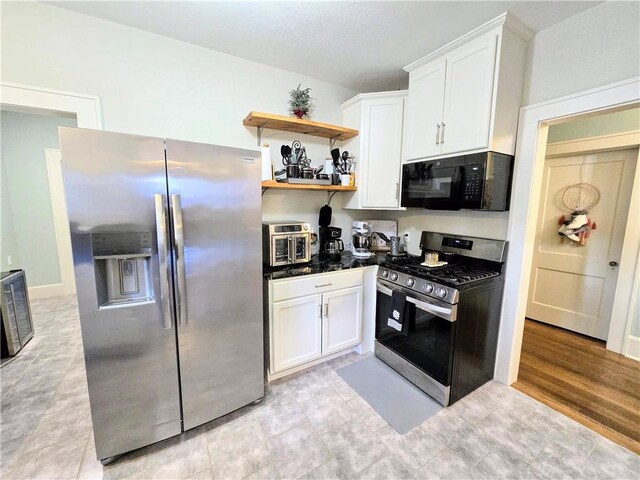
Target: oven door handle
[
  {"x": 446, "y": 313},
  {"x": 383, "y": 289}
]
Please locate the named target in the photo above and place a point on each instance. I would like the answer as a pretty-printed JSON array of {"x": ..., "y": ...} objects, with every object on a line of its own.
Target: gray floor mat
[{"x": 403, "y": 405}]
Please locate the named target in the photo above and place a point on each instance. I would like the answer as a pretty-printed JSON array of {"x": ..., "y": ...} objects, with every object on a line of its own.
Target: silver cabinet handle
[
  {"x": 442, "y": 134},
  {"x": 324, "y": 285},
  {"x": 319, "y": 310},
  {"x": 163, "y": 255},
  {"x": 438, "y": 135},
  {"x": 397, "y": 190},
  {"x": 326, "y": 310},
  {"x": 178, "y": 232}
]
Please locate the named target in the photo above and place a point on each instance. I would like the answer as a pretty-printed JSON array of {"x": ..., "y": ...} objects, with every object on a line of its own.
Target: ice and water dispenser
[{"x": 123, "y": 268}]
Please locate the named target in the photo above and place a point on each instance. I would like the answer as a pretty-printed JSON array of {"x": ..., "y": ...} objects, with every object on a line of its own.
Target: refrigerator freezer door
[
  {"x": 216, "y": 211},
  {"x": 115, "y": 187}
]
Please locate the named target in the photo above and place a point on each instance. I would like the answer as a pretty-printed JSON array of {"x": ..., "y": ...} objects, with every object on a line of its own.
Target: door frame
[
  {"x": 88, "y": 112},
  {"x": 53, "y": 157},
  {"x": 533, "y": 129}
]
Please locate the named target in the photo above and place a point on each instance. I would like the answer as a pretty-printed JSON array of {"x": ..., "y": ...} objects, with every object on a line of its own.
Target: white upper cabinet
[
  {"x": 465, "y": 97},
  {"x": 425, "y": 107},
  {"x": 467, "y": 102},
  {"x": 378, "y": 148}
]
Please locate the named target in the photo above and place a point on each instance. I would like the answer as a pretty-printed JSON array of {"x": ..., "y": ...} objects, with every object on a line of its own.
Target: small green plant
[{"x": 300, "y": 101}]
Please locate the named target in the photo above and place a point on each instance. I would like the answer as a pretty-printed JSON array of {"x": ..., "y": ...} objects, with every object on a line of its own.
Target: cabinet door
[
  {"x": 469, "y": 95},
  {"x": 425, "y": 105},
  {"x": 342, "y": 319},
  {"x": 296, "y": 332},
  {"x": 382, "y": 134}
]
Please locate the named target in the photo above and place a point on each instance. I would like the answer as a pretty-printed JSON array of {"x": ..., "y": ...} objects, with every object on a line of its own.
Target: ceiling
[{"x": 357, "y": 44}]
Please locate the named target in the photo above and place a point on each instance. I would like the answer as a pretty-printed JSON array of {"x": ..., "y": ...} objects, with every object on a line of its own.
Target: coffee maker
[
  {"x": 361, "y": 241},
  {"x": 330, "y": 243}
]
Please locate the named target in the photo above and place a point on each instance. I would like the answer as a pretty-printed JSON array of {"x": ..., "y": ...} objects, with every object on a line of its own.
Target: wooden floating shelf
[
  {"x": 290, "y": 124},
  {"x": 298, "y": 186}
]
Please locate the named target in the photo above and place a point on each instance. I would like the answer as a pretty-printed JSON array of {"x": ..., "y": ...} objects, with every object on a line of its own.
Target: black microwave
[{"x": 478, "y": 181}]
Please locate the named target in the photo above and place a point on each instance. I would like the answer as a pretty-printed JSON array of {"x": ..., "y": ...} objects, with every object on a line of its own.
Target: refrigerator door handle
[
  {"x": 180, "y": 261},
  {"x": 163, "y": 254}
]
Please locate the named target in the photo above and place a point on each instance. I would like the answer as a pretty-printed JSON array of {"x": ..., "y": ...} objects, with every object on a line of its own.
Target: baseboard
[
  {"x": 633, "y": 348},
  {"x": 46, "y": 291}
]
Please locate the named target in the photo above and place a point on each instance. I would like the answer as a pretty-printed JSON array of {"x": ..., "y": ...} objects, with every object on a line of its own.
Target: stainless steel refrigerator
[{"x": 166, "y": 243}]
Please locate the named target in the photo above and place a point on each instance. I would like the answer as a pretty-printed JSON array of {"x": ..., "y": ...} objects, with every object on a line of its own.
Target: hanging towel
[{"x": 396, "y": 318}]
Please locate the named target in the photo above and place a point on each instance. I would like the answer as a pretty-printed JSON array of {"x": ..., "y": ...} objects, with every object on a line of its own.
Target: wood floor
[{"x": 578, "y": 377}]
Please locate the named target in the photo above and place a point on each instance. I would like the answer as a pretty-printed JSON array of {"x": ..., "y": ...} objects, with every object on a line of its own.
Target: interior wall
[
  {"x": 605, "y": 124},
  {"x": 157, "y": 86},
  {"x": 594, "y": 48},
  {"x": 28, "y": 233}
]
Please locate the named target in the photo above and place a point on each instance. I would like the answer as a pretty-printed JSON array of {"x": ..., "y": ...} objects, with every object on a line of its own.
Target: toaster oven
[{"x": 286, "y": 243}]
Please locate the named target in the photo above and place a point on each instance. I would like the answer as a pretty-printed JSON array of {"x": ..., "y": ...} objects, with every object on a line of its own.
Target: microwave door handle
[
  {"x": 163, "y": 255},
  {"x": 178, "y": 231},
  {"x": 442, "y": 133},
  {"x": 446, "y": 313},
  {"x": 438, "y": 135}
]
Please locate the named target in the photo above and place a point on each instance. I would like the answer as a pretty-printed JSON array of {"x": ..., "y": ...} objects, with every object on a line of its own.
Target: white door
[
  {"x": 382, "y": 134},
  {"x": 573, "y": 286},
  {"x": 425, "y": 104},
  {"x": 468, "y": 98},
  {"x": 297, "y": 332},
  {"x": 342, "y": 319}
]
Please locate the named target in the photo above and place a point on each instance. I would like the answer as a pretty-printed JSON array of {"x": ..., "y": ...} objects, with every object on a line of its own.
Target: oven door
[
  {"x": 431, "y": 185},
  {"x": 288, "y": 249},
  {"x": 429, "y": 342}
]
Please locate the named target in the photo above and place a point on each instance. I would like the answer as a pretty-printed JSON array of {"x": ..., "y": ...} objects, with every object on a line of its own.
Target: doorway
[{"x": 584, "y": 211}]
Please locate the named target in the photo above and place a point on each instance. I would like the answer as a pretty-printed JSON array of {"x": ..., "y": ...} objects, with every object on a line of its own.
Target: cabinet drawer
[{"x": 312, "y": 284}]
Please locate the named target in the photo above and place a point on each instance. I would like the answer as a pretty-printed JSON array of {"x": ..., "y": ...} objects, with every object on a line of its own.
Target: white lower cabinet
[
  {"x": 310, "y": 326},
  {"x": 341, "y": 319},
  {"x": 297, "y": 325}
]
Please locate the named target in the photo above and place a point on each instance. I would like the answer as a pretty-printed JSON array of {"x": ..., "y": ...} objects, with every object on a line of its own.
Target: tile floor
[{"x": 311, "y": 425}]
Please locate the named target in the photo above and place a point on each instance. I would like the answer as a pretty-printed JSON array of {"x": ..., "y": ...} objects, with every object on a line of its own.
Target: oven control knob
[
  {"x": 428, "y": 288},
  {"x": 394, "y": 276},
  {"x": 410, "y": 282},
  {"x": 441, "y": 292},
  {"x": 384, "y": 273}
]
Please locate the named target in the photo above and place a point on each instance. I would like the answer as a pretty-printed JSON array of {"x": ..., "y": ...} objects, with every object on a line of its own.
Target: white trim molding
[
  {"x": 615, "y": 141},
  {"x": 86, "y": 108},
  {"x": 46, "y": 291},
  {"x": 527, "y": 183},
  {"x": 633, "y": 348},
  {"x": 60, "y": 219}
]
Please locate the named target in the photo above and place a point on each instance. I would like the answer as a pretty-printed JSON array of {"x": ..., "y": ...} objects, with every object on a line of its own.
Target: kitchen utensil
[
  {"x": 324, "y": 219},
  {"x": 293, "y": 171},
  {"x": 285, "y": 151},
  {"x": 280, "y": 175},
  {"x": 335, "y": 179},
  {"x": 397, "y": 247},
  {"x": 335, "y": 154},
  {"x": 307, "y": 173},
  {"x": 322, "y": 176}
]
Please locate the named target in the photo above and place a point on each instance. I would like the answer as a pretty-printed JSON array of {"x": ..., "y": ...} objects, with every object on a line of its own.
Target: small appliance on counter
[
  {"x": 361, "y": 239},
  {"x": 331, "y": 245},
  {"x": 381, "y": 233},
  {"x": 286, "y": 242}
]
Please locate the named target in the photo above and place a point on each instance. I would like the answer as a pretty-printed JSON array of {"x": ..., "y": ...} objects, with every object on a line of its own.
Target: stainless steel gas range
[{"x": 438, "y": 327}]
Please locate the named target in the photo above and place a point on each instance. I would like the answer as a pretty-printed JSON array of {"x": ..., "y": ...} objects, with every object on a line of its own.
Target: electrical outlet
[
  {"x": 9, "y": 260},
  {"x": 407, "y": 237}
]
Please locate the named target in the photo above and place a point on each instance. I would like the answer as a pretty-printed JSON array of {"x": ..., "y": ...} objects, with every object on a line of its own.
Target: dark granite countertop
[{"x": 317, "y": 265}]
